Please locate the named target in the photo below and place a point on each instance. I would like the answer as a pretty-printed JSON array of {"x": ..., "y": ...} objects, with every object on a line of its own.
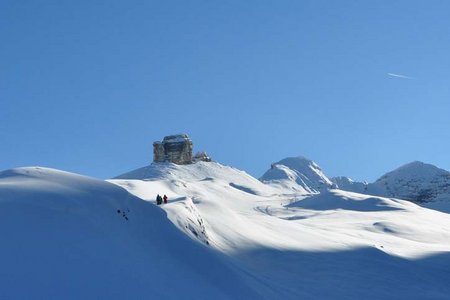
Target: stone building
[{"x": 174, "y": 148}]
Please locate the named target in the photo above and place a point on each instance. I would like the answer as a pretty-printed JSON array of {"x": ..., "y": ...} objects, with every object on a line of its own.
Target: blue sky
[{"x": 87, "y": 86}]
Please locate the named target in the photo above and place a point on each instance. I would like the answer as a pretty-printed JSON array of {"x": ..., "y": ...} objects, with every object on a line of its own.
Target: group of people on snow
[{"x": 160, "y": 200}]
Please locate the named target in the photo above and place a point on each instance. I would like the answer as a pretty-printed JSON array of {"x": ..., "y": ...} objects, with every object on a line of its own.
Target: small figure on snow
[
  {"x": 165, "y": 199},
  {"x": 158, "y": 200}
]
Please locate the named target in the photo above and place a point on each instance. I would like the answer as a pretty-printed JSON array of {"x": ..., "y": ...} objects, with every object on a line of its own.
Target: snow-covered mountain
[
  {"x": 298, "y": 173},
  {"x": 419, "y": 182},
  {"x": 416, "y": 181},
  {"x": 422, "y": 183},
  {"x": 223, "y": 234},
  {"x": 348, "y": 184}
]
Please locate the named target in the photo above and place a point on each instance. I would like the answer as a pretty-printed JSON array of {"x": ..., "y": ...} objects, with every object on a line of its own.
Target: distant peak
[
  {"x": 299, "y": 163},
  {"x": 342, "y": 179},
  {"x": 417, "y": 165},
  {"x": 299, "y": 157},
  {"x": 416, "y": 169},
  {"x": 301, "y": 170},
  {"x": 297, "y": 160}
]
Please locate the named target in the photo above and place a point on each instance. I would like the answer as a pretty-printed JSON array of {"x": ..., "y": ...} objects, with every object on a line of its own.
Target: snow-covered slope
[
  {"x": 416, "y": 181},
  {"x": 419, "y": 182},
  {"x": 347, "y": 184},
  {"x": 66, "y": 236},
  {"x": 299, "y": 174},
  {"x": 223, "y": 235},
  {"x": 198, "y": 188},
  {"x": 332, "y": 245}
]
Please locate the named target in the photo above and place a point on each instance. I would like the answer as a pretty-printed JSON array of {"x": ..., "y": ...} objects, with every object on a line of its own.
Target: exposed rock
[
  {"x": 202, "y": 156},
  {"x": 174, "y": 148}
]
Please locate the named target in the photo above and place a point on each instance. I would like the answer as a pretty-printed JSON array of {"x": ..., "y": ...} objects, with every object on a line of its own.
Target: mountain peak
[
  {"x": 298, "y": 171},
  {"x": 298, "y": 161},
  {"x": 416, "y": 181},
  {"x": 417, "y": 164},
  {"x": 415, "y": 170}
]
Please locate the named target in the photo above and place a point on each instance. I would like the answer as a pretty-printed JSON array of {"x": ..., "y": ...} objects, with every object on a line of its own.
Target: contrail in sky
[{"x": 399, "y": 76}]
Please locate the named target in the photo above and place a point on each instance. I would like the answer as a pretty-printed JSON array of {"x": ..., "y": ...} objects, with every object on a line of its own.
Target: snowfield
[
  {"x": 223, "y": 234},
  {"x": 332, "y": 245},
  {"x": 67, "y": 236}
]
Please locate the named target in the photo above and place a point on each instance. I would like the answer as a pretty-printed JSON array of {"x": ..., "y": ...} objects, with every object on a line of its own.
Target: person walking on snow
[
  {"x": 158, "y": 200},
  {"x": 165, "y": 199}
]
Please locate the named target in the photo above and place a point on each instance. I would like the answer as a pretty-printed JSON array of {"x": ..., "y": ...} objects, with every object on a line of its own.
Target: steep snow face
[
  {"x": 347, "y": 184},
  {"x": 416, "y": 181},
  {"x": 67, "y": 236},
  {"x": 298, "y": 173},
  {"x": 332, "y": 245}
]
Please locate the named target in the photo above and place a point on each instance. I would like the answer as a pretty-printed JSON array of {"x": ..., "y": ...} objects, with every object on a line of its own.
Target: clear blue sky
[{"x": 87, "y": 86}]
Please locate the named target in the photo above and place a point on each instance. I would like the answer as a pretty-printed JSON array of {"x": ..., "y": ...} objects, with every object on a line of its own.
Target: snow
[
  {"x": 176, "y": 138},
  {"x": 223, "y": 234},
  {"x": 348, "y": 184},
  {"x": 417, "y": 170},
  {"x": 419, "y": 182},
  {"x": 63, "y": 238},
  {"x": 333, "y": 245},
  {"x": 416, "y": 181},
  {"x": 298, "y": 173},
  {"x": 336, "y": 199}
]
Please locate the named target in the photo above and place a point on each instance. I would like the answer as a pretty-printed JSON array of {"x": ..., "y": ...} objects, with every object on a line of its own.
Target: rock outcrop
[
  {"x": 202, "y": 156},
  {"x": 174, "y": 148},
  {"x": 177, "y": 149}
]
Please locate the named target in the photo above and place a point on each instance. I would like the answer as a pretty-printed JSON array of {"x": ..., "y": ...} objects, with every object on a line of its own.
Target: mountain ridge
[{"x": 415, "y": 181}]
